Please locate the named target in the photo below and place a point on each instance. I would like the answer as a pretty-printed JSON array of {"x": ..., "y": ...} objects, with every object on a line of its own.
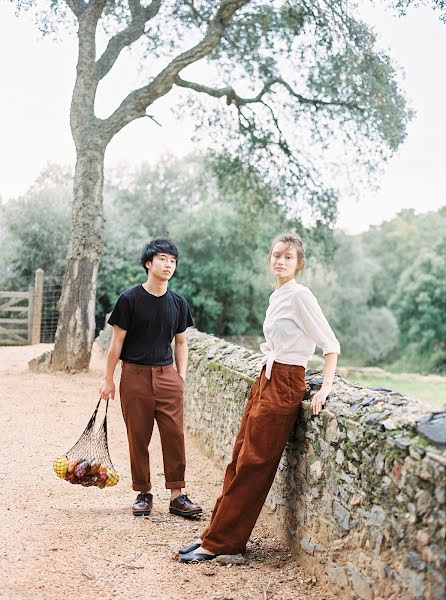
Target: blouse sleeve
[{"x": 312, "y": 321}]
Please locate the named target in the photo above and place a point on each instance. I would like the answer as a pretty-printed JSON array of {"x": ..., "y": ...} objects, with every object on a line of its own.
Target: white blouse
[{"x": 294, "y": 325}]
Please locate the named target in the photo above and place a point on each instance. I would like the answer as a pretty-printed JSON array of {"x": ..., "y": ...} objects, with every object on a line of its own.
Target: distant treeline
[{"x": 383, "y": 291}]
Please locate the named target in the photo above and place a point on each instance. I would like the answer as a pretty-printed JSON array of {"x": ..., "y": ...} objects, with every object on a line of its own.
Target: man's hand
[
  {"x": 107, "y": 390},
  {"x": 181, "y": 354}
]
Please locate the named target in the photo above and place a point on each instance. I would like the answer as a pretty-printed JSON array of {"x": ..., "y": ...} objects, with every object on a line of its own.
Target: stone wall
[{"x": 360, "y": 491}]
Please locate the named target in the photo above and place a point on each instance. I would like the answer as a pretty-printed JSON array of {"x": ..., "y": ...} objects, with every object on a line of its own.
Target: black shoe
[
  {"x": 143, "y": 504},
  {"x": 188, "y": 549},
  {"x": 182, "y": 506},
  {"x": 193, "y": 557}
]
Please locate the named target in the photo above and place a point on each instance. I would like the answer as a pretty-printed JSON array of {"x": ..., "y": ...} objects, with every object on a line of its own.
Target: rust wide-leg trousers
[
  {"x": 150, "y": 393},
  {"x": 267, "y": 421}
]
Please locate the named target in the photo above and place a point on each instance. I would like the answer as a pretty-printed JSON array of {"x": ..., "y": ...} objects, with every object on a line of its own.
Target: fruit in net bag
[
  {"x": 60, "y": 466},
  {"x": 88, "y": 462},
  {"x": 72, "y": 465},
  {"x": 81, "y": 469},
  {"x": 112, "y": 478},
  {"x": 94, "y": 469}
]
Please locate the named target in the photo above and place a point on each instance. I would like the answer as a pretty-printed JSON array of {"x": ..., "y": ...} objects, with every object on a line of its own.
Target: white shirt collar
[{"x": 283, "y": 289}]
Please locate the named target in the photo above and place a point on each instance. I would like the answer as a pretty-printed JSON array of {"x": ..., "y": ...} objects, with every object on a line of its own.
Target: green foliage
[
  {"x": 409, "y": 252},
  {"x": 224, "y": 243},
  {"x": 383, "y": 291},
  {"x": 219, "y": 271},
  {"x": 392, "y": 245},
  {"x": 419, "y": 300},
  {"x": 410, "y": 359},
  {"x": 139, "y": 207},
  {"x": 343, "y": 287},
  {"x": 439, "y": 5},
  {"x": 221, "y": 215},
  {"x": 35, "y": 229},
  {"x": 219, "y": 211}
]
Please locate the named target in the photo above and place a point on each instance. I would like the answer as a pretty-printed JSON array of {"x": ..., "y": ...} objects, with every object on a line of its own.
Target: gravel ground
[{"x": 63, "y": 541}]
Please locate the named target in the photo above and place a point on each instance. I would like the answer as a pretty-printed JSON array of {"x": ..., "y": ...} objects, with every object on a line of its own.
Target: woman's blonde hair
[{"x": 293, "y": 240}]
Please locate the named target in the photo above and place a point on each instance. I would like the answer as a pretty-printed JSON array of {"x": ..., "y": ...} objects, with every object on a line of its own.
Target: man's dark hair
[{"x": 158, "y": 246}]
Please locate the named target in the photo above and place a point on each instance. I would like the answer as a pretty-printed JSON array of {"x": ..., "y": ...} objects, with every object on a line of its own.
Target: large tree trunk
[
  {"x": 76, "y": 326},
  {"x": 75, "y": 329}
]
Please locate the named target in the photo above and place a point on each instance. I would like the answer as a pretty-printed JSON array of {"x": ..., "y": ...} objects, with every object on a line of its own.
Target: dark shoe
[
  {"x": 183, "y": 507},
  {"x": 143, "y": 504},
  {"x": 188, "y": 549},
  {"x": 194, "y": 557}
]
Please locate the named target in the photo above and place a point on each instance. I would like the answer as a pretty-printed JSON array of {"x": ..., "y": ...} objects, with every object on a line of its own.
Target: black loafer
[
  {"x": 188, "y": 549},
  {"x": 193, "y": 557}
]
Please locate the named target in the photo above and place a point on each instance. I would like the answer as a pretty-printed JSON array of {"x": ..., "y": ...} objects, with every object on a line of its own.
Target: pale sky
[{"x": 38, "y": 76}]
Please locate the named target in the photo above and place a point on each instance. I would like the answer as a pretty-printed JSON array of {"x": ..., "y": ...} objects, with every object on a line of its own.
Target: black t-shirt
[{"x": 151, "y": 323}]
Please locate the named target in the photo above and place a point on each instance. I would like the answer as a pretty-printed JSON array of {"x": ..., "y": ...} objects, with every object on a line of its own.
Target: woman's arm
[{"x": 320, "y": 396}]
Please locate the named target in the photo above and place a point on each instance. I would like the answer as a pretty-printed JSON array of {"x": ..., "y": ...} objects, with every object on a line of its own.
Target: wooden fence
[{"x": 24, "y": 314}]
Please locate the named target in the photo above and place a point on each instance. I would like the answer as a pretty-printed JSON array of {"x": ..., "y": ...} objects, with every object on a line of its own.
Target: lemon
[
  {"x": 112, "y": 478},
  {"x": 60, "y": 466}
]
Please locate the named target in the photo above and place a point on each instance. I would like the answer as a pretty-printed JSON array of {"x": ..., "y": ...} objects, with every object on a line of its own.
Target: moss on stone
[
  {"x": 349, "y": 445},
  {"x": 395, "y": 454},
  {"x": 228, "y": 373},
  {"x": 422, "y": 441}
]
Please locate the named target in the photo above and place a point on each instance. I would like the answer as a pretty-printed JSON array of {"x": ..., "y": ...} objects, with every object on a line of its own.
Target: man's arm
[
  {"x": 181, "y": 354},
  {"x": 107, "y": 389}
]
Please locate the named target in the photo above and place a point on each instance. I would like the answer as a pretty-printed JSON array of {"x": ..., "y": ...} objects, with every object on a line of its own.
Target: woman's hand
[{"x": 319, "y": 398}]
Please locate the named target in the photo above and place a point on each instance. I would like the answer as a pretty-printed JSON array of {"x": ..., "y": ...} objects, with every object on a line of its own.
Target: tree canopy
[
  {"x": 297, "y": 90},
  {"x": 290, "y": 86}
]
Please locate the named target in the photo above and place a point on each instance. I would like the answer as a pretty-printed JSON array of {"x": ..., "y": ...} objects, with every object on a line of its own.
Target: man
[{"x": 145, "y": 320}]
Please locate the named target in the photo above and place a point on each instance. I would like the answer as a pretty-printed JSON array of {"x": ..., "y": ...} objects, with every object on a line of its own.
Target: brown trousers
[
  {"x": 269, "y": 417},
  {"x": 150, "y": 393}
]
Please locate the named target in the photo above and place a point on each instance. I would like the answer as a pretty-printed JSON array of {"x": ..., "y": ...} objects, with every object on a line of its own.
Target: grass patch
[{"x": 427, "y": 389}]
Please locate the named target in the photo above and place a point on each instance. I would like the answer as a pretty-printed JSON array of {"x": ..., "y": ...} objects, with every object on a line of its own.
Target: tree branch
[
  {"x": 248, "y": 125},
  {"x": 233, "y": 98},
  {"x": 85, "y": 86},
  {"x": 196, "y": 13},
  {"x": 140, "y": 16},
  {"x": 135, "y": 104},
  {"x": 317, "y": 101}
]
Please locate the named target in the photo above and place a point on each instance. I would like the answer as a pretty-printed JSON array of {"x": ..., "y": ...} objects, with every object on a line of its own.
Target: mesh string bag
[{"x": 88, "y": 462}]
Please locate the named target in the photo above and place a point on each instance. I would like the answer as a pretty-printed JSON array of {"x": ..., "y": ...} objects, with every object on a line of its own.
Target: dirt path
[{"x": 60, "y": 541}]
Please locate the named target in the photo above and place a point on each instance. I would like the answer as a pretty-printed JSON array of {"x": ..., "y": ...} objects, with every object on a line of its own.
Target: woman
[{"x": 293, "y": 326}]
